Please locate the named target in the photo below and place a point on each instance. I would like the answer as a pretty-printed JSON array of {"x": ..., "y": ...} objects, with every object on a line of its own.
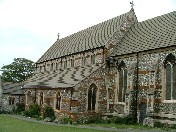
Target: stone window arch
[
  {"x": 58, "y": 101},
  {"x": 11, "y": 100},
  {"x": 72, "y": 62},
  {"x": 40, "y": 68},
  {"x": 57, "y": 66},
  {"x": 28, "y": 97},
  {"x": 41, "y": 99},
  {"x": 65, "y": 64},
  {"x": 170, "y": 77},
  {"x": 93, "y": 58},
  {"x": 83, "y": 60},
  {"x": 92, "y": 97},
  {"x": 122, "y": 86},
  {"x": 51, "y": 67}
]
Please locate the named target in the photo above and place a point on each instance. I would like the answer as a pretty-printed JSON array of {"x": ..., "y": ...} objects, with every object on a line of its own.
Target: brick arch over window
[
  {"x": 92, "y": 95},
  {"x": 122, "y": 81},
  {"x": 170, "y": 77},
  {"x": 58, "y": 101}
]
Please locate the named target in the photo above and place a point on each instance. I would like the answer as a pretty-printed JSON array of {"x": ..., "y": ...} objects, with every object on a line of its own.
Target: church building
[
  {"x": 117, "y": 67},
  {"x": 70, "y": 76}
]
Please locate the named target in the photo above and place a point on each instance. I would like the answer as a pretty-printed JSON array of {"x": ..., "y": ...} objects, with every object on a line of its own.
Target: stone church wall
[
  {"x": 151, "y": 86},
  {"x": 9, "y": 102}
]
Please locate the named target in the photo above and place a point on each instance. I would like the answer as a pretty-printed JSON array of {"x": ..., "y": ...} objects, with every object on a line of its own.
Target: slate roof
[
  {"x": 90, "y": 38},
  {"x": 66, "y": 78},
  {"x": 12, "y": 88},
  {"x": 151, "y": 34}
]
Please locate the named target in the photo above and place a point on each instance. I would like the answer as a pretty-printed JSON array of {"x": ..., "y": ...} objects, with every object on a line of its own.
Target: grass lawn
[{"x": 9, "y": 124}]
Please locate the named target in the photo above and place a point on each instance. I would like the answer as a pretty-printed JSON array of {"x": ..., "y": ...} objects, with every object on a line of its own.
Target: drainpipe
[
  {"x": 137, "y": 88},
  {"x": 0, "y": 91},
  {"x": 35, "y": 96},
  {"x": 71, "y": 93},
  {"x": 103, "y": 60}
]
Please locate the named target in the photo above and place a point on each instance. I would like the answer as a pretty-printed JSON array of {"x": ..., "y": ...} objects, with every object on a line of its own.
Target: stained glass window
[
  {"x": 58, "y": 101},
  {"x": 92, "y": 97},
  {"x": 170, "y": 77},
  {"x": 122, "y": 85}
]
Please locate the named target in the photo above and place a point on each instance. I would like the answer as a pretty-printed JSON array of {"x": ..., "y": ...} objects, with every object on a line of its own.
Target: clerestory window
[
  {"x": 72, "y": 62},
  {"x": 93, "y": 59},
  {"x": 65, "y": 64},
  {"x": 83, "y": 61}
]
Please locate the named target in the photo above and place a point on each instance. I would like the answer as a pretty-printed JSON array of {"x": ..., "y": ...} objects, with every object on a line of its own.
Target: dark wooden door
[{"x": 142, "y": 108}]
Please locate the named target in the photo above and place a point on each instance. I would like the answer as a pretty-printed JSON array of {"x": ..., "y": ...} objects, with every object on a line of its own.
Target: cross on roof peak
[{"x": 132, "y": 4}]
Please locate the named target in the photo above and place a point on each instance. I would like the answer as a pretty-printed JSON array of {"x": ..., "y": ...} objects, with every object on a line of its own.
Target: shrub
[
  {"x": 173, "y": 126},
  {"x": 34, "y": 111},
  {"x": 25, "y": 113},
  {"x": 94, "y": 119},
  {"x": 117, "y": 120},
  {"x": 20, "y": 107},
  {"x": 158, "y": 125},
  {"x": 129, "y": 119},
  {"x": 4, "y": 112},
  {"x": 65, "y": 120},
  {"x": 49, "y": 112}
]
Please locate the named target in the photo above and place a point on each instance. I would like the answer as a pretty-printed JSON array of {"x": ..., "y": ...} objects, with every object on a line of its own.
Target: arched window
[
  {"x": 122, "y": 82},
  {"x": 51, "y": 68},
  {"x": 65, "y": 64},
  {"x": 40, "y": 68},
  {"x": 11, "y": 100},
  {"x": 57, "y": 66},
  {"x": 168, "y": 81},
  {"x": 44, "y": 67},
  {"x": 170, "y": 77},
  {"x": 58, "y": 101},
  {"x": 83, "y": 60},
  {"x": 93, "y": 59},
  {"x": 28, "y": 97},
  {"x": 41, "y": 98},
  {"x": 72, "y": 62},
  {"x": 92, "y": 93}
]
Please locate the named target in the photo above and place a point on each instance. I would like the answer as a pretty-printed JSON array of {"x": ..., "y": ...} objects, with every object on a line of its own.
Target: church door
[{"x": 142, "y": 108}]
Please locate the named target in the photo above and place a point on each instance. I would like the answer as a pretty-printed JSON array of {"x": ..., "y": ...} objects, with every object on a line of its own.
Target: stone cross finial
[
  {"x": 58, "y": 35},
  {"x": 132, "y": 4}
]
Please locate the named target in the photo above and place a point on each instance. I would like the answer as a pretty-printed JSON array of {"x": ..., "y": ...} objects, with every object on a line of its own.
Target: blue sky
[{"x": 29, "y": 27}]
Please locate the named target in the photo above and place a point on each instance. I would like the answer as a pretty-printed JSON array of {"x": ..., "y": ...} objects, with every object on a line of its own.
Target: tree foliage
[{"x": 19, "y": 70}]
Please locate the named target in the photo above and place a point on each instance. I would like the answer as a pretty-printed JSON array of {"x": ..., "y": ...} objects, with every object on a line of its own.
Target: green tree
[{"x": 19, "y": 70}]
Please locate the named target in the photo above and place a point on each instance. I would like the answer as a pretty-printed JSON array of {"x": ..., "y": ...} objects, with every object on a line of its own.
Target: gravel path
[{"x": 86, "y": 126}]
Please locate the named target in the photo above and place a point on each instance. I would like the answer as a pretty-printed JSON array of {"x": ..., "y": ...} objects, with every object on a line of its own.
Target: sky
[{"x": 29, "y": 27}]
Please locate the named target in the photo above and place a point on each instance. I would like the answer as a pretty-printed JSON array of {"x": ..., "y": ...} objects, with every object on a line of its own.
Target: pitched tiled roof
[
  {"x": 60, "y": 79},
  {"x": 151, "y": 34},
  {"x": 90, "y": 38},
  {"x": 12, "y": 88}
]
